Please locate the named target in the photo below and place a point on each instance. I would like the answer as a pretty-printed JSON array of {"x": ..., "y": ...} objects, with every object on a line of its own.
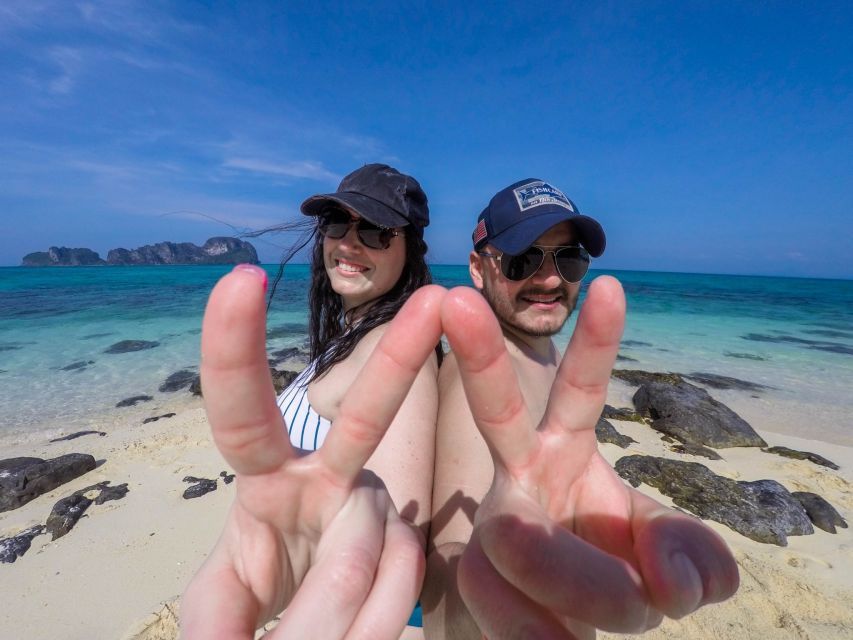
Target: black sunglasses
[
  {"x": 572, "y": 262},
  {"x": 336, "y": 224}
]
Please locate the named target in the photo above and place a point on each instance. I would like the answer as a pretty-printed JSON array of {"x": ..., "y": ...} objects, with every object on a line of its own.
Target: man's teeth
[{"x": 543, "y": 299}]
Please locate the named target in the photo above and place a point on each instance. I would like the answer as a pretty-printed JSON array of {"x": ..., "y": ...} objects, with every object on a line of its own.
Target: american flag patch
[{"x": 480, "y": 231}]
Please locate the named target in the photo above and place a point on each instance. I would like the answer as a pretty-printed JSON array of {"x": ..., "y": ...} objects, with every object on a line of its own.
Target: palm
[
  {"x": 558, "y": 528},
  {"x": 314, "y": 533}
]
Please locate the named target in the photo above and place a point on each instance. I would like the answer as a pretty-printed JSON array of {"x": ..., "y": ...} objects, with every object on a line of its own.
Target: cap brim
[
  {"x": 520, "y": 236},
  {"x": 368, "y": 208}
]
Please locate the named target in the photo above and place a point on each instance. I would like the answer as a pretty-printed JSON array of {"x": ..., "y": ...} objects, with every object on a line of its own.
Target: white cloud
[
  {"x": 300, "y": 169},
  {"x": 70, "y": 63}
]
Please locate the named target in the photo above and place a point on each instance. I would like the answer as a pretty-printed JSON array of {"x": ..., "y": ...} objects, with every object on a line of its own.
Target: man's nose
[{"x": 548, "y": 271}]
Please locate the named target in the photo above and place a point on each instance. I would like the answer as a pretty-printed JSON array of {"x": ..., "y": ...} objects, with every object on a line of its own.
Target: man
[{"x": 533, "y": 534}]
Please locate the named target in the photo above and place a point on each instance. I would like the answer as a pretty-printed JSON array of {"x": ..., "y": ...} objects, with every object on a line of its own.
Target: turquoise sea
[{"x": 794, "y": 335}]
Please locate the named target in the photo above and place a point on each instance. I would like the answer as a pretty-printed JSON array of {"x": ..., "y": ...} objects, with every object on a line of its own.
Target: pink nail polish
[{"x": 256, "y": 270}]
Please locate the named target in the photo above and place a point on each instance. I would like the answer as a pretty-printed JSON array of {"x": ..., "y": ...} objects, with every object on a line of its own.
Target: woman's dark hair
[{"x": 332, "y": 336}]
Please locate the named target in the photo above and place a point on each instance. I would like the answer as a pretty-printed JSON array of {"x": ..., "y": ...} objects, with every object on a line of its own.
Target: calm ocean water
[{"x": 795, "y": 335}]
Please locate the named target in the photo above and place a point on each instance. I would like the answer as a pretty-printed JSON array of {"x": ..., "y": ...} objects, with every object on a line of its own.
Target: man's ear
[{"x": 475, "y": 268}]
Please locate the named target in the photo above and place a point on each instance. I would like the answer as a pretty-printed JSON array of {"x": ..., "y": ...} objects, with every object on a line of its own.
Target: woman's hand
[
  {"x": 315, "y": 534},
  {"x": 560, "y": 541}
]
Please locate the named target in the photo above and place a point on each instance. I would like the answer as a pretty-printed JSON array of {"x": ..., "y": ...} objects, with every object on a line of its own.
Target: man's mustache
[{"x": 536, "y": 291}]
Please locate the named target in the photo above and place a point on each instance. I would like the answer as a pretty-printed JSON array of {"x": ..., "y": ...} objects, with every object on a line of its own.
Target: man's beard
[{"x": 505, "y": 309}]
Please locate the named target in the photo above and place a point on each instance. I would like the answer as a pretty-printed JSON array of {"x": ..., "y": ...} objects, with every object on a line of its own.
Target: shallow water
[{"x": 795, "y": 335}]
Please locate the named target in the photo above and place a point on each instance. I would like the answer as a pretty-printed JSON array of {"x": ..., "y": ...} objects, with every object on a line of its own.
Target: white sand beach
[{"x": 118, "y": 573}]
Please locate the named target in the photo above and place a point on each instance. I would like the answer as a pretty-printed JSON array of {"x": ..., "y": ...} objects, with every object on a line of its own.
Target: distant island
[{"x": 219, "y": 250}]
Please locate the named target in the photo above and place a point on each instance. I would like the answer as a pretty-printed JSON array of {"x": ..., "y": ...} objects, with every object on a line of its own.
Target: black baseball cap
[
  {"x": 522, "y": 212},
  {"x": 378, "y": 193}
]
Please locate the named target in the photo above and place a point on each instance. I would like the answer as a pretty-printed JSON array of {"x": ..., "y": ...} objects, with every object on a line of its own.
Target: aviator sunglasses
[
  {"x": 336, "y": 224},
  {"x": 572, "y": 262}
]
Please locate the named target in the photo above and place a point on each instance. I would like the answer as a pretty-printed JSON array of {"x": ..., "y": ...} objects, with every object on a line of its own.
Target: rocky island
[{"x": 219, "y": 250}]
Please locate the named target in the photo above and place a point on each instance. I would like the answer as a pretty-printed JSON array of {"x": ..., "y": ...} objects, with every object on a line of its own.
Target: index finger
[
  {"x": 490, "y": 382},
  {"x": 238, "y": 393},
  {"x": 371, "y": 403},
  {"x": 580, "y": 388}
]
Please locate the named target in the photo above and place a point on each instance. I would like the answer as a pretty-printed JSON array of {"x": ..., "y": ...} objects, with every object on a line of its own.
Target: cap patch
[
  {"x": 538, "y": 193},
  {"x": 480, "y": 231}
]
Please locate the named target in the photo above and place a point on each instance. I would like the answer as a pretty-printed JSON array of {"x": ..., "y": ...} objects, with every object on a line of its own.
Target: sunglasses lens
[
  {"x": 572, "y": 263},
  {"x": 374, "y": 237},
  {"x": 334, "y": 224},
  {"x": 522, "y": 266}
]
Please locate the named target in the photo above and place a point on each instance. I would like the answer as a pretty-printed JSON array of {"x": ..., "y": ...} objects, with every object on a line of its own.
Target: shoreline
[{"x": 113, "y": 573}]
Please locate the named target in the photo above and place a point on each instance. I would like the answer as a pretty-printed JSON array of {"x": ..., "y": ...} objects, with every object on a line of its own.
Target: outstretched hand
[
  {"x": 560, "y": 539},
  {"x": 314, "y": 533}
]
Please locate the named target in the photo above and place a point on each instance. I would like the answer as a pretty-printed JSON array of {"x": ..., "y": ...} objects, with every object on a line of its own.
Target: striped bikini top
[{"x": 306, "y": 427}]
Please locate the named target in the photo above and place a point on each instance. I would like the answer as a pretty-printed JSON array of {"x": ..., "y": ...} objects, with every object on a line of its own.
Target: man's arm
[{"x": 463, "y": 474}]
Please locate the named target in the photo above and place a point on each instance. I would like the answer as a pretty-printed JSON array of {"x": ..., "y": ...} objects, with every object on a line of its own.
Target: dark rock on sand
[
  {"x": 178, "y": 380},
  {"x": 801, "y": 455},
  {"x": 689, "y": 414},
  {"x": 635, "y": 377},
  {"x": 132, "y": 402},
  {"x": 77, "y": 366},
  {"x": 66, "y": 513},
  {"x": 612, "y": 413},
  {"x": 763, "y": 510},
  {"x": 105, "y": 492},
  {"x": 200, "y": 487},
  {"x": 696, "y": 450},
  {"x": 227, "y": 478},
  {"x": 78, "y": 434},
  {"x": 126, "y": 346},
  {"x": 820, "y": 511},
  {"x": 20, "y": 483},
  {"x": 724, "y": 382},
  {"x": 14, "y": 547},
  {"x": 195, "y": 386},
  {"x": 606, "y": 432},
  {"x": 156, "y": 418}
]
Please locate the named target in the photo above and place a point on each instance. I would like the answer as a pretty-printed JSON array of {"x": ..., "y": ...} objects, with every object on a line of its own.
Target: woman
[{"x": 315, "y": 531}]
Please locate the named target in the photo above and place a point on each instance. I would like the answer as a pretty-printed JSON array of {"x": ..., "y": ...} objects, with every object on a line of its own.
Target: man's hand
[
  {"x": 313, "y": 533},
  {"x": 560, "y": 538}
]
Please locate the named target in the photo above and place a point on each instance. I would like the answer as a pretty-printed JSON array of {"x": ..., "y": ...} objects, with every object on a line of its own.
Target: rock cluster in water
[{"x": 219, "y": 250}]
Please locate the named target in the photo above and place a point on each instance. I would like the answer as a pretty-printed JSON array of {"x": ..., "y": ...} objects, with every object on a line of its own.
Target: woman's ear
[{"x": 475, "y": 268}]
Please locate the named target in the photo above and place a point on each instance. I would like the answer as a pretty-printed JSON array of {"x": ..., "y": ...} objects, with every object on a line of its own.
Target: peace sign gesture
[
  {"x": 560, "y": 541},
  {"x": 313, "y": 533}
]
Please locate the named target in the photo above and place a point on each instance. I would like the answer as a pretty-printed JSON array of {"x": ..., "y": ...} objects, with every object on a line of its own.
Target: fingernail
[
  {"x": 256, "y": 270},
  {"x": 685, "y": 573}
]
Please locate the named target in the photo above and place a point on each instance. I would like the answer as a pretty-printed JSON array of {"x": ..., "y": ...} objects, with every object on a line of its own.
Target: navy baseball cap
[
  {"x": 518, "y": 215},
  {"x": 378, "y": 193}
]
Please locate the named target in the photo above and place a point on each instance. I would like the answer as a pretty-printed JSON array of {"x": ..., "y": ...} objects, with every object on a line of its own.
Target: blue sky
[{"x": 706, "y": 137}]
